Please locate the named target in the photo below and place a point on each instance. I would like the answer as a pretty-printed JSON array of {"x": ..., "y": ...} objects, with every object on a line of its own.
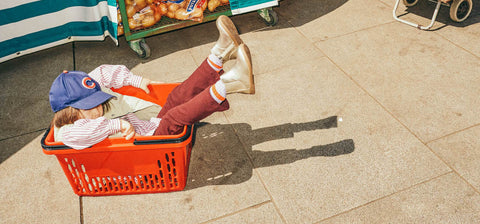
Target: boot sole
[
  {"x": 249, "y": 62},
  {"x": 230, "y": 28}
]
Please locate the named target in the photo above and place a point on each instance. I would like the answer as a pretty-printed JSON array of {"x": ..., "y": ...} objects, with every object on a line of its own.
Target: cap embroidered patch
[{"x": 88, "y": 83}]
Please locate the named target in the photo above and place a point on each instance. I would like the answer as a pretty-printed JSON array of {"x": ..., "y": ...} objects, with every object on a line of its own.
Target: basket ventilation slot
[{"x": 165, "y": 178}]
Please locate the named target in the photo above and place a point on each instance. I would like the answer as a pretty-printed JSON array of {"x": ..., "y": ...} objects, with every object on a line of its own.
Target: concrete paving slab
[
  {"x": 263, "y": 42},
  {"x": 171, "y": 50},
  {"x": 421, "y": 14},
  {"x": 201, "y": 38},
  {"x": 34, "y": 189},
  {"x": 24, "y": 86},
  {"x": 331, "y": 18},
  {"x": 175, "y": 67},
  {"x": 12, "y": 145},
  {"x": 221, "y": 181},
  {"x": 168, "y": 63},
  {"x": 175, "y": 55},
  {"x": 465, "y": 34},
  {"x": 322, "y": 146},
  {"x": 414, "y": 74},
  {"x": 461, "y": 152},
  {"x": 309, "y": 145},
  {"x": 91, "y": 54},
  {"x": 462, "y": 34},
  {"x": 263, "y": 213},
  {"x": 447, "y": 199}
]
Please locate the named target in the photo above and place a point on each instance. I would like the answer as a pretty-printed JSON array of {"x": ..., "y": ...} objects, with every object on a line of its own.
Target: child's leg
[
  {"x": 202, "y": 105},
  {"x": 238, "y": 80},
  {"x": 203, "y": 77},
  {"x": 224, "y": 49}
]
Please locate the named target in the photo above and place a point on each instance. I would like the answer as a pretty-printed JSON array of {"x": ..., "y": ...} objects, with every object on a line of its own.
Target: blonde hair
[{"x": 69, "y": 115}]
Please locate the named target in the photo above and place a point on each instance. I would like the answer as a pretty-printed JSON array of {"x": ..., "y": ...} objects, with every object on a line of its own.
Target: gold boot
[
  {"x": 228, "y": 40},
  {"x": 240, "y": 78}
]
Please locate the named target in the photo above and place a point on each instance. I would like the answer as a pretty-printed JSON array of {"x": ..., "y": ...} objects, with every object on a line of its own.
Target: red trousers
[{"x": 190, "y": 102}]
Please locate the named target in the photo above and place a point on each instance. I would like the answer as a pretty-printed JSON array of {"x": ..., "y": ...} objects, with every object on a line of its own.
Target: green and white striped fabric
[
  {"x": 27, "y": 26},
  {"x": 243, "y": 6}
]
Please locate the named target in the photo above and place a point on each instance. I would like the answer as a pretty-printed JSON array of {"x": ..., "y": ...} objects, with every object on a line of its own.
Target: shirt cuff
[
  {"x": 136, "y": 81},
  {"x": 114, "y": 126},
  {"x": 156, "y": 123}
]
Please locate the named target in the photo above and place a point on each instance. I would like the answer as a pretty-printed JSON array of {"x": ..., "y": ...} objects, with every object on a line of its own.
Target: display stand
[
  {"x": 136, "y": 41},
  {"x": 459, "y": 11}
]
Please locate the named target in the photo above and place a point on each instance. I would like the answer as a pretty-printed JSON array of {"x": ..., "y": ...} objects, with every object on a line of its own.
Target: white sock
[
  {"x": 215, "y": 62},
  {"x": 218, "y": 92}
]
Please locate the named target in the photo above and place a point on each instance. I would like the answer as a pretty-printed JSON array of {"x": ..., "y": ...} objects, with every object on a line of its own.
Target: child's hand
[
  {"x": 127, "y": 129},
  {"x": 145, "y": 82}
]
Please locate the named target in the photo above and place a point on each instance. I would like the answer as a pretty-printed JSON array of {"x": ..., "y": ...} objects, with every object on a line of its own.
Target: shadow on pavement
[
  {"x": 426, "y": 8},
  {"x": 25, "y": 107},
  {"x": 223, "y": 154}
]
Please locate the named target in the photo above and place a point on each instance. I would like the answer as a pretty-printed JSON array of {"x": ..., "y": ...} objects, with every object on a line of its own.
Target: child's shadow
[{"x": 220, "y": 158}]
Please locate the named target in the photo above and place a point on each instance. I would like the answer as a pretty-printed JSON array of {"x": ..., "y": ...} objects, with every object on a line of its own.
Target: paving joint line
[
  {"x": 404, "y": 125},
  {"x": 385, "y": 4},
  {"x": 341, "y": 35},
  {"x": 80, "y": 201},
  {"x": 388, "y": 111},
  {"x": 453, "y": 170},
  {"x": 456, "y": 45},
  {"x": 392, "y": 115},
  {"x": 386, "y": 196},
  {"x": 26, "y": 133},
  {"x": 385, "y": 109},
  {"x": 401, "y": 123},
  {"x": 369, "y": 94},
  {"x": 453, "y": 133},
  {"x": 73, "y": 58},
  {"x": 250, "y": 159},
  {"x": 445, "y": 38},
  {"x": 360, "y": 30},
  {"x": 238, "y": 212}
]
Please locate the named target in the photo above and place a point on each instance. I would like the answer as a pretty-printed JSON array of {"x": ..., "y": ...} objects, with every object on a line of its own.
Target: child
[{"x": 80, "y": 104}]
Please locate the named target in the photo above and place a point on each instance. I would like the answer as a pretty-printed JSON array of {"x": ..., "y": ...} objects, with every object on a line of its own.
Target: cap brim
[{"x": 92, "y": 101}]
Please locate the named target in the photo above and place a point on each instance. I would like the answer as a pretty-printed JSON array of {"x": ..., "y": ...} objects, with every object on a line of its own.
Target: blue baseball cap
[{"x": 76, "y": 89}]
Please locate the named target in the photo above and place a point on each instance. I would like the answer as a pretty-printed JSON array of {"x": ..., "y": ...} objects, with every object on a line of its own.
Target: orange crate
[{"x": 115, "y": 166}]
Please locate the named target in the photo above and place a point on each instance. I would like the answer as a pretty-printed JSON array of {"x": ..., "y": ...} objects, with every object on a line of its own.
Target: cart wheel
[
  {"x": 269, "y": 16},
  {"x": 409, "y": 3},
  {"x": 140, "y": 47},
  {"x": 460, "y": 10}
]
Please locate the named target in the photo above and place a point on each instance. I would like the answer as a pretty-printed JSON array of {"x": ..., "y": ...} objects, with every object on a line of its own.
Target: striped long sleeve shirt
[{"x": 84, "y": 133}]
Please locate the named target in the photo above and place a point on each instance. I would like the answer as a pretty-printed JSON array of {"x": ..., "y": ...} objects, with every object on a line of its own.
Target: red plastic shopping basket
[{"x": 115, "y": 166}]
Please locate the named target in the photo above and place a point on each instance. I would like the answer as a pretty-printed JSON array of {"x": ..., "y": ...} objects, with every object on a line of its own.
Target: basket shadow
[{"x": 223, "y": 154}]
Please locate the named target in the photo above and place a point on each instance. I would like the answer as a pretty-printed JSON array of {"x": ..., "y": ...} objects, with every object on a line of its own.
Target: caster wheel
[
  {"x": 460, "y": 10},
  {"x": 140, "y": 47},
  {"x": 269, "y": 16},
  {"x": 409, "y": 3}
]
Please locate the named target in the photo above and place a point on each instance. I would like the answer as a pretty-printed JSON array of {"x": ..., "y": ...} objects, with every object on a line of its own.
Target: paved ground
[{"x": 397, "y": 108}]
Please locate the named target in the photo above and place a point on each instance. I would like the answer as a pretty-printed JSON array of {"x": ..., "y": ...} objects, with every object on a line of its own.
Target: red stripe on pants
[{"x": 190, "y": 102}]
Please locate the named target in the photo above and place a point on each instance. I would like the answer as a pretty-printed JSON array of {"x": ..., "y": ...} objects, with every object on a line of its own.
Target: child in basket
[{"x": 80, "y": 104}]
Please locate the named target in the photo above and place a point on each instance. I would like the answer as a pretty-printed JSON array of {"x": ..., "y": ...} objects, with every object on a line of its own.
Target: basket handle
[{"x": 166, "y": 141}]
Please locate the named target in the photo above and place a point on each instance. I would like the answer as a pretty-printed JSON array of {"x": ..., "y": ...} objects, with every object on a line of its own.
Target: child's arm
[
  {"x": 115, "y": 76},
  {"x": 87, "y": 132},
  {"x": 144, "y": 128}
]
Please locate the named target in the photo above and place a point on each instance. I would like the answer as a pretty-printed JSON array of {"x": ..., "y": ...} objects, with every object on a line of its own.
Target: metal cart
[
  {"x": 136, "y": 41},
  {"x": 459, "y": 11}
]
